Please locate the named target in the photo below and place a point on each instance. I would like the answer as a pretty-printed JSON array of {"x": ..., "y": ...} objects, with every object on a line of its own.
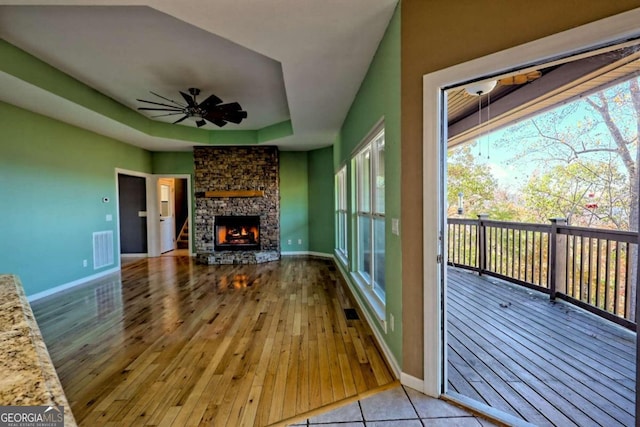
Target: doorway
[
  {"x": 149, "y": 204},
  {"x": 173, "y": 207},
  {"x": 434, "y": 167}
]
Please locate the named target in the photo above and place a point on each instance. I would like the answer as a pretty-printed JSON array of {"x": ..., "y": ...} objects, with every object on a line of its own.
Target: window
[
  {"x": 369, "y": 215},
  {"x": 341, "y": 214}
]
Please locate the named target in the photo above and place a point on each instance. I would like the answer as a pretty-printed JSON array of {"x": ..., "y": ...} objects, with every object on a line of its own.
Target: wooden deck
[{"x": 547, "y": 363}]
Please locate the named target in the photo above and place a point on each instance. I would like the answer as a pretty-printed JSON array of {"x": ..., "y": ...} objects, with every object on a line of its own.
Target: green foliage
[
  {"x": 586, "y": 193},
  {"x": 470, "y": 178}
]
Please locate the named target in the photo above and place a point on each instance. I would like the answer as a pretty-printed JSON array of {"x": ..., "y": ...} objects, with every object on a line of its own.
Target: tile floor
[{"x": 399, "y": 407}]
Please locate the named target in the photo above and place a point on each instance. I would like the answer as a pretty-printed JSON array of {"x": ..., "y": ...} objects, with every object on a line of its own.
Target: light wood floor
[{"x": 175, "y": 343}]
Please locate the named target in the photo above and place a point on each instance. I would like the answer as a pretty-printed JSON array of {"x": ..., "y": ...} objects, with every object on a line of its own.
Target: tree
[
  {"x": 602, "y": 128},
  {"x": 472, "y": 179},
  {"x": 590, "y": 194}
]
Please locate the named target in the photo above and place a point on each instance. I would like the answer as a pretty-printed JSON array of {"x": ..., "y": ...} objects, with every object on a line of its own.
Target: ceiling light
[{"x": 480, "y": 88}]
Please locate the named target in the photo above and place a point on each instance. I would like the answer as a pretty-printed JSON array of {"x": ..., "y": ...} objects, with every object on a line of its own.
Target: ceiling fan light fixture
[{"x": 481, "y": 88}]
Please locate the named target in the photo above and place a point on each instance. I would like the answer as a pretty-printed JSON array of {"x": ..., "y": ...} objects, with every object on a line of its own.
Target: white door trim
[
  {"x": 152, "y": 210},
  {"x": 589, "y": 36},
  {"x": 154, "y": 190}
]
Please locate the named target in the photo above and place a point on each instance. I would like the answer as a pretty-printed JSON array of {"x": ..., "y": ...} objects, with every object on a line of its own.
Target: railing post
[
  {"x": 482, "y": 243},
  {"x": 557, "y": 260}
]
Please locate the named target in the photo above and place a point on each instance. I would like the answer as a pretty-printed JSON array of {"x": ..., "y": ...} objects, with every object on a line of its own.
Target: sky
[{"x": 513, "y": 174}]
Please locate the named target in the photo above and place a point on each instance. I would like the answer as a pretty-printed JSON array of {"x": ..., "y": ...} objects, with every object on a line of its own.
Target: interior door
[
  {"x": 132, "y": 204},
  {"x": 166, "y": 188}
]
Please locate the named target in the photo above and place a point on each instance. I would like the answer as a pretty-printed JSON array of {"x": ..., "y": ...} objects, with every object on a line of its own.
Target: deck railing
[{"x": 593, "y": 268}]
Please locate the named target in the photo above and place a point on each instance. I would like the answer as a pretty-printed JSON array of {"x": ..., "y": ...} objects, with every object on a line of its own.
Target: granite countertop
[{"x": 27, "y": 375}]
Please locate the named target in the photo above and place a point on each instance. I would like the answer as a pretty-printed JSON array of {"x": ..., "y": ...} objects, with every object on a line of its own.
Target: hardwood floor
[{"x": 173, "y": 343}]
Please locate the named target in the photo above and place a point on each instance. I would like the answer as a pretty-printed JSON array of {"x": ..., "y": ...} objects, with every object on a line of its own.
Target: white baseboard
[
  {"x": 411, "y": 381},
  {"x": 70, "y": 285},
  {"x": 134, "y": 255},
  {"x": 305, "y": 253},
  {"x": 395, "y": 366}
]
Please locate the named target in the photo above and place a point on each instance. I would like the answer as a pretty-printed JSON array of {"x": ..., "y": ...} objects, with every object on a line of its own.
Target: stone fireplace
[{"x": 237, "y": 213}]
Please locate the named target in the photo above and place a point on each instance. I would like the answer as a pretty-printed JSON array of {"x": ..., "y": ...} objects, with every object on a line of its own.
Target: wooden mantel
[{"x": 231, "y": 193}]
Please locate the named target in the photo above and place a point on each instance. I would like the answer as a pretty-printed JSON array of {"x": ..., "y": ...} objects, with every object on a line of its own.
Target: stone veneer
[{"x": 237, "y": 168}]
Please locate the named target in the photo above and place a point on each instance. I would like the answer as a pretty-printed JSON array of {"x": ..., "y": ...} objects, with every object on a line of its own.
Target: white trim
[
  {"x": 189, "y": 204},
  {"x": 304, "y": 253},
  {"x": 393, "y": 363},
  {"x": 341, "y": 257},
  {"x": 72, "y": 284},
  {"x": 411, "y": 381},
  {"x": 605, "y": 31},
  {"x": 375, "y": 130},
  {"x": 373, "y": 300},
  {"x": 150, "y": 231},
  {"x": 144, "y": 255}
]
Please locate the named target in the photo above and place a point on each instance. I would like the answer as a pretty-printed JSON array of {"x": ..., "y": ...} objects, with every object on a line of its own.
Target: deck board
[{"x": 551, "y": 363}]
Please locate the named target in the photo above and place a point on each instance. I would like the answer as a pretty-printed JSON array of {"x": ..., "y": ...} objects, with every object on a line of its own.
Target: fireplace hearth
[{"x": 236, "y": 233}]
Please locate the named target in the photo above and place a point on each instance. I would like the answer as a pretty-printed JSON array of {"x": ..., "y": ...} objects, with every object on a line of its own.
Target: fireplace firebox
[{"x": 240, "y": 233}]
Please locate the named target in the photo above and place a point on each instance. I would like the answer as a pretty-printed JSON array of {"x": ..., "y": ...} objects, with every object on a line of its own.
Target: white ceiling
[{"x": 302, "y": 60}]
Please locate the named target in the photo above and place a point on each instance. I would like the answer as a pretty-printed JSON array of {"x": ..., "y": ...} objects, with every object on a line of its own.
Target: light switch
[
  {"x": 395, "y": 226},
  {"x": 109, "y": 217}
]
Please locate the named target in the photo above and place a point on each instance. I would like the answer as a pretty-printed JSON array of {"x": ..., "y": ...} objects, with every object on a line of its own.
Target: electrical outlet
[
  {"x": 289, "y": 242},
  {"x": 299, "y": 241},
  {"x": 84, "y": 262},
  {"x": 391, "y": 322}
]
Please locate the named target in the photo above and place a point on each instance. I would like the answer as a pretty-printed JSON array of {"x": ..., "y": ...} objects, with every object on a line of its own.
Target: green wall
[
  {"x": 294, "y": 201},
  {"x": 53, "y": 177},
  {"x": 321, "y": 199},
  {"x": 379, "y": 98},
  {"x": 165, "y": 162}
]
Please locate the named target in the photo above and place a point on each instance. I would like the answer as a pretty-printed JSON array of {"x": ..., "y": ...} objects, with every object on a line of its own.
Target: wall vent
[{"x": 102, "y": 249}]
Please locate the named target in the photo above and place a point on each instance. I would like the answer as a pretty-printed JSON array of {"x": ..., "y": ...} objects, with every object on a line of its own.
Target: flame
[{"x": 223, "y": 232}]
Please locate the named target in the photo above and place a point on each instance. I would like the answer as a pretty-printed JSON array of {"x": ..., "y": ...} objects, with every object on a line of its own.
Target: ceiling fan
[
  {"x": 211, "y": 109},
  {"x": 486, "y": 86}
]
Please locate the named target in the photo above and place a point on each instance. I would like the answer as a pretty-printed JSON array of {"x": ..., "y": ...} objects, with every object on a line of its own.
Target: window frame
[
  {"x": 341, "y": 216},
  {"x": 366, "y": 209}
]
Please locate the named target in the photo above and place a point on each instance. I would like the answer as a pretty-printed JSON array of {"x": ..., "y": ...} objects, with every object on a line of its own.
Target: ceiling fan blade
[
  {"x": 211, "y": 101},
  {"x": 189, "y": 100},
  {"x": 167, "y": 99},
  {"x": 168, "y": 114},
  {"x": 232, "y": 106},
  {"x": 186, "y": 116},
  {"x": 158, "y": 103},
  {"x": 160, "y": 109},
  {"x": 235, "y": 116},
  {"x": 216, "y": 119}
]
